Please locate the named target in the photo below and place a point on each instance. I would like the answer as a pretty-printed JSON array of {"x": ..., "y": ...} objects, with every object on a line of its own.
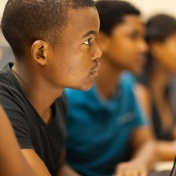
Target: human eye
[
  {"x": 134, "y": 35},
  {"x": 87, "y": 42}
]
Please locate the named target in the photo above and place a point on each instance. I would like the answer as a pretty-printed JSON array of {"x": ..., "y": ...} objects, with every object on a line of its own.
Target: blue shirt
[{"x": 99, "y": 131}]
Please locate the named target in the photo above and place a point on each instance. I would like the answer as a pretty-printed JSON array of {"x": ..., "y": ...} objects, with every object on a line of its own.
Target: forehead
[
  {"x": 131, "y": 23},
  {"x": 81, "y": 21}
]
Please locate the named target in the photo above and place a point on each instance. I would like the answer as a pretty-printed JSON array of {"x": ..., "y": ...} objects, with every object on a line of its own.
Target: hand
[{"x": 131, "y": 168}]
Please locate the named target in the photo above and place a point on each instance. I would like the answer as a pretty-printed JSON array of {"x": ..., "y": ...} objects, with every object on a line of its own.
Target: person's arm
[
  {"x": 39, "y": 167},
  {"x": 35, "y": 162},
  {"x": 143, "y": 97},
  {"x": 144, "y": 147},
  {"x": 166, "y": 150},
  {"x": 67, "y": 171},
  {"x": 12, "y": 161},
  {"x": 144, "y": 154},
  {"x": 20, "y": 126}
]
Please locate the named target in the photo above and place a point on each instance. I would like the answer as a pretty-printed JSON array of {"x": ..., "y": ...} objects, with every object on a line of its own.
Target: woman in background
[{"x": 153, "y": 90}]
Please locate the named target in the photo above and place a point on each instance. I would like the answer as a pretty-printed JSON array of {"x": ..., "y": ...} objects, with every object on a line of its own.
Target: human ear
[{"x": 38, "y": 51}]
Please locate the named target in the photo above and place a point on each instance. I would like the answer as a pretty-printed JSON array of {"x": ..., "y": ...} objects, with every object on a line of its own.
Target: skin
[
  {"x": 124, "y": 50},
  {"x": 72, "y": 63},
  {"x": 1, "y": 53},
  {"x": 12, "y": 161},
  {"x": 127, "y": 37},
  {"x": 165, "y": 55}
]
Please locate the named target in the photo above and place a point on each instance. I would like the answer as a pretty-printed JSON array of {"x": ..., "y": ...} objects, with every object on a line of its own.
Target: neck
[
  {"x": 107, "y": 79},
  {"x": 38, "y": 92}
]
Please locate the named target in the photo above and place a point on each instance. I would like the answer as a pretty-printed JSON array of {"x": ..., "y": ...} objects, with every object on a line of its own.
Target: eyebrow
[{"x": 89, "y": 33}]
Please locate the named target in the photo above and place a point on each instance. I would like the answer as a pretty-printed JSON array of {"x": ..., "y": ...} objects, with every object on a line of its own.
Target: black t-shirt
[{"x": 48, "y": 140}]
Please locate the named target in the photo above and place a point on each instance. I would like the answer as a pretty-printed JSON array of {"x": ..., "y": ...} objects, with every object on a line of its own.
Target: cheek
[
  {"x": 125, "y": 49},
  {"x": 115, "y": 50},
  {"x": 172, "y": 52},
  {"x": 77, "y": 67},
  {"x": 168, "y": 58},
  {"x": 168, "y": 54}
]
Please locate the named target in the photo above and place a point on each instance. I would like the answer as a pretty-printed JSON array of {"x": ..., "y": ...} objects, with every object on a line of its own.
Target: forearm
[
  {"x": 67, "y": 171},
  {"x": 12, "y": 161},
  {"x": 141, "y": 163},
  {"x": 166, "y": 150},
  {"x": 146, "y": 155}
]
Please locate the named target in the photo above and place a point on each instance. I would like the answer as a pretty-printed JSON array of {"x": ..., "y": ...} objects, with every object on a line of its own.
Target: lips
[{"x": 94, "y": 71}]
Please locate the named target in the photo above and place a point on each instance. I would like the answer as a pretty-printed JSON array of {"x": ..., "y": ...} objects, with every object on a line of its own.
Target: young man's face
[
  {"x": 126, "y": 47},
  {"x": 74, "y": 62}
]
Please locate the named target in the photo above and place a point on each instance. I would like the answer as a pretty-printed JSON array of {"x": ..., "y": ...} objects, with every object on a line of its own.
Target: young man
[
  {"x": 12, "y": 162},
  {"x": 105, "y": 124},
  {"x": 54, "y": 48}
]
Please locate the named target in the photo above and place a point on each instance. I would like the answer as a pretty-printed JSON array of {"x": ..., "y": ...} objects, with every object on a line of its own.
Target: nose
[{"x": 97, "y": 52}]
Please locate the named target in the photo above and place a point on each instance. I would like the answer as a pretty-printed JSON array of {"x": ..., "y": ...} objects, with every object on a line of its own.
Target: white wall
[
  {"x": 150, "y": 7},
  {"x": 2, "y": 4}
]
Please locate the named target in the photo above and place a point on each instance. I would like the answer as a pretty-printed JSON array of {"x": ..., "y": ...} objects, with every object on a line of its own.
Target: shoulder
[
  {"x": 128, "y": 79},
  {"x": 127, "y": 86}
]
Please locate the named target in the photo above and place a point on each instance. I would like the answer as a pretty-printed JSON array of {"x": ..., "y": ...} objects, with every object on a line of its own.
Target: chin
[
  {"x": 85, "y": 86},
  {"x": 81, "y": 87},
  {"x": 137, "y": 71}
]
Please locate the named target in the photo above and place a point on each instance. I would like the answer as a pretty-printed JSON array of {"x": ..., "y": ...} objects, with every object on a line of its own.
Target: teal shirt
[{"x": 99, "y": 131}]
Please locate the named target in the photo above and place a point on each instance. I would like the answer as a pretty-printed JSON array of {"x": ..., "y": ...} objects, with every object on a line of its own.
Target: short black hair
[
  {"x": 159, "y": 27},
  {"x": 112, "y": 13},
  {"x": 25, "y": 21}
]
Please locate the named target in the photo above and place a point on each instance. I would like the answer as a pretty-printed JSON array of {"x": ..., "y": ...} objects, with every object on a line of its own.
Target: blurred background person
[
  {"x": 106, "y": 131},
  {"x": 154, "y": 89}
]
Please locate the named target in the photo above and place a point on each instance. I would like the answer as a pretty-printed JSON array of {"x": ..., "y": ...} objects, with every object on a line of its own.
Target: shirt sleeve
[
  {"x": 129, "y": 83},
  {"x": 141, "y": 120},
  {"x": 18, "y": 119}
]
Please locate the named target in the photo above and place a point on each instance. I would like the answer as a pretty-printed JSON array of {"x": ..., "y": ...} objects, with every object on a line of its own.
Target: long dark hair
[{"x": 158, "y": 28}]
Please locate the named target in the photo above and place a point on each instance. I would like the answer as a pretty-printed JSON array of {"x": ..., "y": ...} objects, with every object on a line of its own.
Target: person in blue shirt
[{"x": 107, "y": 133}]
